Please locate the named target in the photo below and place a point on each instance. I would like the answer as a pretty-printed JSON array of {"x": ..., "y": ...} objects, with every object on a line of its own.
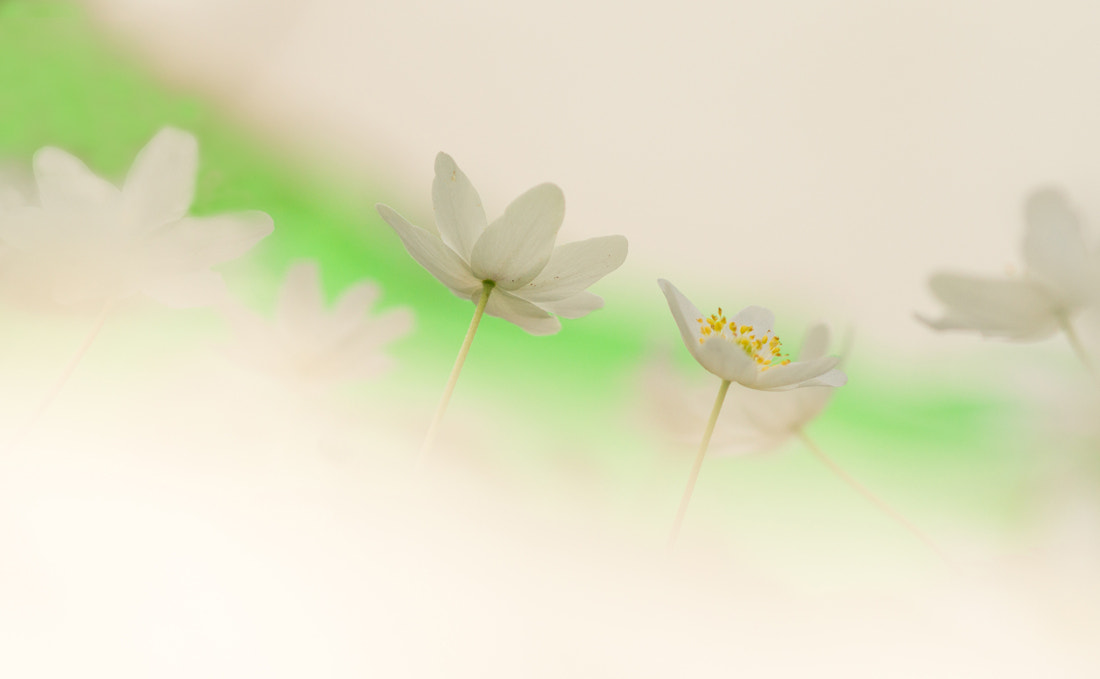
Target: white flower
[
  {"x": 90, "y": 240},
  {"x": 310, "y": 345},
  {"x": 745, "y": 350},
  {"x": 1062, "y": 278},
  {"x": 751, "y": 420},
  {"x": 533, "y": 278}
]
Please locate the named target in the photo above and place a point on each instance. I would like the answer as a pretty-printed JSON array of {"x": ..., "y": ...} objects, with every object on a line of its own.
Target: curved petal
[
  {"x": 728, "y": 361},
  {"x": 161, "y": 183},
  {"x": 833, "y": 378},
  {"x": 686, "y": 315},
  {"x": 431, "y": 253},
  {"x": 816, "y": 342},
  {"x": 390, "y": 325},
  {"x": 31, "y": 228},
  {"x": 762, "y": 320},
  {"x": 200, "y": 242},
  {"x": 575, "y": 266},
  {"x": 459, "y": 216},
  {"x": 301, "y": 301},
  {"x": 64, "y": 182},
  {"x": 516, "y": 247},
  {"x": 189, "y": 289},
  {"x": 1054, "y": 247},
  {"x": 580, "y": 304},
  {"x": 795, "y": 374},
  {"x": 354, "y": 303},
  {"x": 1014, "y": 309},
  {"x": 534, "y": 320}
]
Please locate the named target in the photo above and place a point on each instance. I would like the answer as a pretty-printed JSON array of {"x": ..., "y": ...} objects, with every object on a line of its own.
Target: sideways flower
[
  {"x": 88, "y": 240},
  {"x": 533, "y": 281},
  {"x": 744, "y": 350},
  {"x": 1061, "y": 279},
  {"x": 311, "y": 345},
  {"x": 751, "y": 420}
]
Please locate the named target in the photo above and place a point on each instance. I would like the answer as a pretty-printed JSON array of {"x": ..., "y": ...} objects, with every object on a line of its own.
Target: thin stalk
[
  {"x": 871, "y": 497},
  {"x": 698, "y": 462},
  {"x": 429, "y": 439},
  {"x": 1078, "y": 347},
  {"x": 62, "y": 380}
]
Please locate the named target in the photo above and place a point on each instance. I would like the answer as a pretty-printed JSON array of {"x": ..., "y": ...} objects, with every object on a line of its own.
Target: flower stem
[
  {"x": 51, "y": 395},
  {"x": 1078, "y": 347},
  {"x": 871, "y": 497},
  {"x": 429, "y": 439},
  {"x": 698, "y": 462}
]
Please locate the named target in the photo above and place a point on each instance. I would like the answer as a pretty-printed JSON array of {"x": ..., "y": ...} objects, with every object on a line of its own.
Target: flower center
[{"x": 762, "y": 347}]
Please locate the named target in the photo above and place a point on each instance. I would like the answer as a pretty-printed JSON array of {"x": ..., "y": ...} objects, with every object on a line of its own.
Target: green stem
[
  {"x": 1078, "y": 347},
  {"x": 429, "y": 439},
  {"x": 871, "y": 497},
  {"x": 698, "y": 462}
]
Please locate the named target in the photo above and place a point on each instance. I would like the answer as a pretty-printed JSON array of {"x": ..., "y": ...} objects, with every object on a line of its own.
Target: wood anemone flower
[{"x": 531, "y": 281}]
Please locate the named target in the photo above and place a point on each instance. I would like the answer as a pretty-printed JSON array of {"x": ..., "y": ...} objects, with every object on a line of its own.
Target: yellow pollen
[{"x": 765, "y": 349}]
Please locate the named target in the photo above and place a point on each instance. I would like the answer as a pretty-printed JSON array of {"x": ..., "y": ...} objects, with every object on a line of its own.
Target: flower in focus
[
  {"x": 89, "y": 240},
  {"x": 1062, "y": 278},
  {"x": 744, "y": 350},
  {"x": 534, "y": 281},
  {"x": 751, "y": 420},
  {"x": 307, "y": 343}
]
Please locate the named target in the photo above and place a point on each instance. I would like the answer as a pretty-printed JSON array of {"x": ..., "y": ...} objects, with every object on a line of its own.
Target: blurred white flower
[
  {"x": 751, "y": 420},
  {"x": 87, "y": 239},
  {"x": 1062, "y": 278},
  {"x": 745, "y": 350},
  {"x": 533, "y": 279},
  {"x": 310, "y": 345}
]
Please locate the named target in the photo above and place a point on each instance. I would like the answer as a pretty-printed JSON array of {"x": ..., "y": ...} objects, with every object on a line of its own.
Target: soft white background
[{"x": 832, "y": 153}]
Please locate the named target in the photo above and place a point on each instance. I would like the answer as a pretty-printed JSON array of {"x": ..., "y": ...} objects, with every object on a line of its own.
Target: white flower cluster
[{"x": 82, "y": 240}]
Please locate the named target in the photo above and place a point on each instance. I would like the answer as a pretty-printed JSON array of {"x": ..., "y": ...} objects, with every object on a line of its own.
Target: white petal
[
  {"x": 1014, "y": 309},
  {"x": 200, "y": 242},
  {"x": 816, "y": 342},
  {"x": 727, "y": 360},
  {"x": 32, "y": 228},
  {"x": 301, "y": 302},
  {"x": 1054, "y": 247},
  {"x": 575, "y": 266},
  {"x": 794, "y": 374},
  {"x": 685, "y": 314},
  {"x": 459, "y": 216},
  {"x": 580, "y": 304},
  {"x": 161, "y": 183},
  {"x": 431, "y": 253},
  {"x": 517, "y": 246},
  {"x": 64, "y": 182},
  {"x": 833, "y": 378},
  {"x": 190, "y": 289},
  {"x": 391, "y": 325},
  {"x": 534, "y": 320},
  {"x": 354, "y": 303},
  {"x": 761, "y": 319}
]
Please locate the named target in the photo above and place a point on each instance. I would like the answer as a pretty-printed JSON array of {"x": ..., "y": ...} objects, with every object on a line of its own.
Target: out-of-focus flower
[
  {"x": 533, "y": 279},
  {"x": 88, "y": 240},
  {"x": 751, "y": 420},
  {"x": 1062, "y": 278},
  {"x": 745, "y": 350},
  {"x": 311, "y": 345}
]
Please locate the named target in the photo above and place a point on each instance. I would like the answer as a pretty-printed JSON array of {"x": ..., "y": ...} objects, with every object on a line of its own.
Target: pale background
[
  {"x": 833, "y": 153},
  {"x": 824, "y": 157}
]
